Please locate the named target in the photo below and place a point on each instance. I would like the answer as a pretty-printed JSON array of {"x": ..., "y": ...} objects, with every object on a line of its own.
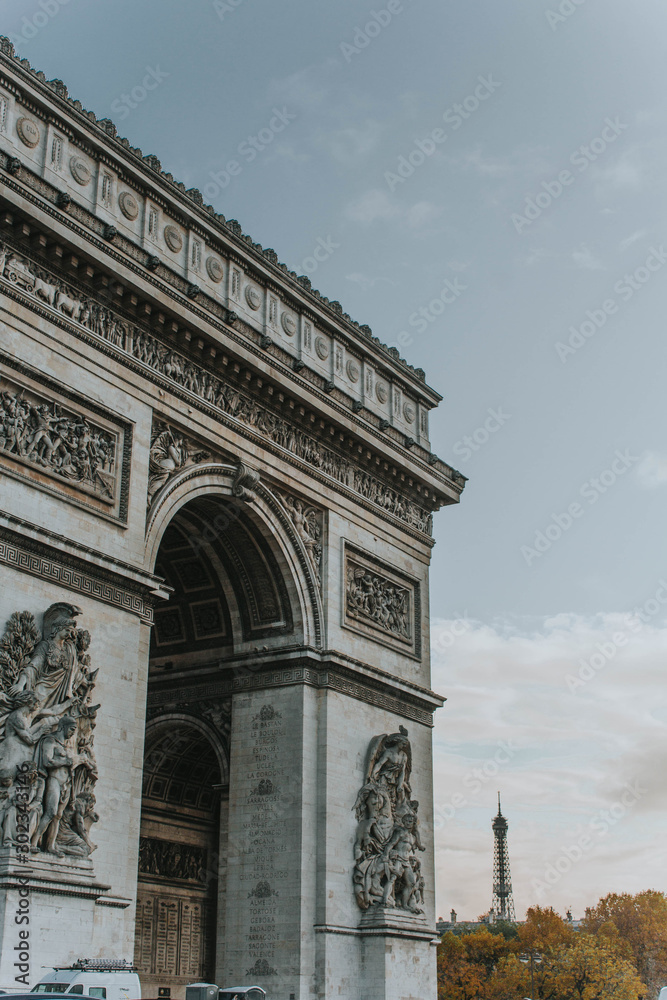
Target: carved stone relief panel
[
  {"x": 171, "y": 452},
  {"x": 387, "y": 869},
  {"x": 381, "y": 603},
  {"x": 51, "y": 291},
  {"x": 309, "y": 524},
  {"x": 61, "y": 444},
  {"x": 47, "y": 762},
  {"x": 164, "y": 859}
]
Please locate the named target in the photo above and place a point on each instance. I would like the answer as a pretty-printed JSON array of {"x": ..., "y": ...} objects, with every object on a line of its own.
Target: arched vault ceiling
[{"x": 227, "y": 582}]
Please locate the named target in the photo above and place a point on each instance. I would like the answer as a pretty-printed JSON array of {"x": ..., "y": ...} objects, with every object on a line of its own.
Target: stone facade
[{"x": 214, "y": 538}]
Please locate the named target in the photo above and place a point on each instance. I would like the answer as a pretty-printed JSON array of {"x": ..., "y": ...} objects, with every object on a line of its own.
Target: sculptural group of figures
[
  {"x": 47, "y": 762},
  {"x": 169, "y": 860},
  {"x": 63, "y": 443},
  {"x": 387, "y": 871},
  {"x": 145, "y": 348},
  {"x": 377, "y": 600}
]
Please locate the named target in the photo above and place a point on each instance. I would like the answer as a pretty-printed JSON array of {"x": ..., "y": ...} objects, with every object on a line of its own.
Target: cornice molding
[
  {"x": 39, "y": 552},
  {"x": 391, "y": 504},
  {"x": 324, "y": 671},
  {"x": 102, "y": 133},
  {"x": 90, "y": 229}
]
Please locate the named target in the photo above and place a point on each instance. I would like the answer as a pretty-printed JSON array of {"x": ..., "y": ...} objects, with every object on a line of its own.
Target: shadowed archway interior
[
  {"x": 228, "y": 586},
  {"x": 178, "y": 855}
]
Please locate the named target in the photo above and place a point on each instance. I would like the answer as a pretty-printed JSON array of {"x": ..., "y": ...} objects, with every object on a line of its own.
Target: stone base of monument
[
  {"x": 53, "y": 905},
  {"x": 398, "y": 954}
]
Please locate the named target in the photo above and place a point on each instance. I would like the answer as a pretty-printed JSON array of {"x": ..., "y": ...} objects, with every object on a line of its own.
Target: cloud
[
  {"x": 565, "y": 715},
  {"x": 536, "y": 256},
  {"x": 626, "y": 173},
  {"x": 351, "y": 144},
  {"x": 376, "y": 205},
  {"x": 652, "y": 470},
  {"x": 584, "y": 258},
  {"x": 364, "y": 281},
  {"x": 629, "y": 240},
  {"x": 524, "y": 160},
  {"x": 307, "y": 89},
  {"x": 371, "y": 206},
  {"x": 420, "y": 213}
]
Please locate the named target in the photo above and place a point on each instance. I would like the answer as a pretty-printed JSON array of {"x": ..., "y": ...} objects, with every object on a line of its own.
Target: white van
[{"x": 91, "y": 979}]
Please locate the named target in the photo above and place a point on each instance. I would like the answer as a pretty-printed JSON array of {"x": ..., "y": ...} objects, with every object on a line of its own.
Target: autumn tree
[
  {"x": 458, "y": 977},
  {"x": 590, "y": 969},
  {"x": 467, "y": 962},
  {"x": 543, "y": 931},
  {"x": 636, "y": 926}
]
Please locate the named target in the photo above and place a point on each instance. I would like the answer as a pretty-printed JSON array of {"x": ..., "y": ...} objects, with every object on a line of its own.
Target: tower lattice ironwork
[{"x": 503, "y": 901}]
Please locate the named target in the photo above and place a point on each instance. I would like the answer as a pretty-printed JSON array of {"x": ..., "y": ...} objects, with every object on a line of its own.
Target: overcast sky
[{"x": 536, "y": 209}]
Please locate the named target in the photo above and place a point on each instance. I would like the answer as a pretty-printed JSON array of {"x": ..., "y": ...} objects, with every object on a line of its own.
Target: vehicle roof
[
  {"x": 241, "y": 989},
  {"x": 43, "y": 996},
  {"x": 75, "y": 975}
]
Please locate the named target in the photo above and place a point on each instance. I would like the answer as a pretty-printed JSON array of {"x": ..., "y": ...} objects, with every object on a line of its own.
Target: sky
[{"x": 489, "y": 180}]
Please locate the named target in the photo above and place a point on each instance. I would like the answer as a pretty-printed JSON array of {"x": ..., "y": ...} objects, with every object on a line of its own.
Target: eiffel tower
[{"x": 503, "y": 901}]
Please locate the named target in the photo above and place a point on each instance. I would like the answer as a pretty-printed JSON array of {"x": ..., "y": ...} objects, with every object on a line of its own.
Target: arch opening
[
  {"x": 235, "y": 594},
  {"x": 179, "y": 848}
]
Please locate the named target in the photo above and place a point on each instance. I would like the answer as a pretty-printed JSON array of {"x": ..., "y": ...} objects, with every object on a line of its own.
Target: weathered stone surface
[{"x": 229, "y": 484}]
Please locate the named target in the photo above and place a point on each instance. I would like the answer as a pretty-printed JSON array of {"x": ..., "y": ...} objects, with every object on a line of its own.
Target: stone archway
[{"x": 241, "y": 595}]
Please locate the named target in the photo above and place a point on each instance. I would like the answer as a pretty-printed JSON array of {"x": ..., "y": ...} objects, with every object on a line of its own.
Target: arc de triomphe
[{"x": 217, "y": 497}]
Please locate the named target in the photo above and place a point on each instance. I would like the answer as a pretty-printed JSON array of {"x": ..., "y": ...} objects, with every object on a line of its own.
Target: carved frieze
[
  {"x": 171, "y": 452},
  {"x": 165, "y": 859},
  {"x": 308, "y": 521},
  {"x": 37, "y": 431},
  {"x": 387, "y": 869},
  {"x": 210, "y": 388},
  {"x": 380, "y": 602},
  {"x": 47, "y": 762}
]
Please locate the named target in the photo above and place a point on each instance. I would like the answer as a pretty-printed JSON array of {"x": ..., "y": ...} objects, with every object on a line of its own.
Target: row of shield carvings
[{"x": 100, "y": 190}]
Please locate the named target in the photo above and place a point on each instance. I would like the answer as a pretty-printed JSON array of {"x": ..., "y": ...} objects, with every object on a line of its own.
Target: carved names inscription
[
  {"x": 262, "y": 873},
  {"x": 264, "y": 837},
  {"x": 39, "y": 432},
  {"x": 51, "y": 291}
]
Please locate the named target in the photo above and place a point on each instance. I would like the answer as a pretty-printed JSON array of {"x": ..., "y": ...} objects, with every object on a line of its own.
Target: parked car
[
  {"x": 241, "y": 993},
  {"x": 102, "y": 980}
]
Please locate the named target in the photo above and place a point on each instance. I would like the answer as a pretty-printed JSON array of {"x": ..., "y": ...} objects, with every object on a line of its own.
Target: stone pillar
[
  {"x": 397, "y": 956},
  {"x": 271, "y": 864}
]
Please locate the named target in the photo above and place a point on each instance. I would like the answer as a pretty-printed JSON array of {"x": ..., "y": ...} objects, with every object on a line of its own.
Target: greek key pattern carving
[
  {"x": 47, "y": 290},
  {"x": 158, "y": 700},
  {"x": 14, "y": 555}
]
